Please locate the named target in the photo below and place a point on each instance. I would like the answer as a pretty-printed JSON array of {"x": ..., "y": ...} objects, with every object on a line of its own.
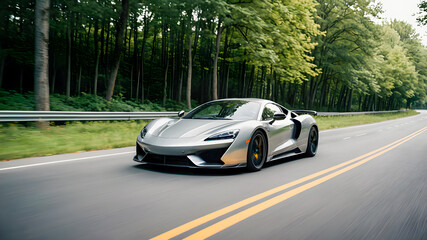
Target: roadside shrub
[{"x": 11, "y": 100}]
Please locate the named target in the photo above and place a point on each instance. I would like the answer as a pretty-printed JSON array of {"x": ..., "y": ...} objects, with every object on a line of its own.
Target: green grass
[
  {"x": 345, "y": 121},
  {"x": 18, "y": 141}
]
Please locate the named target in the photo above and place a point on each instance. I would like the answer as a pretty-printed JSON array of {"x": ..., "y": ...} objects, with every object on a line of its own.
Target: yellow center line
[
  {"x": 204, "y": 219},
  {"x": 230, "y": 221}
]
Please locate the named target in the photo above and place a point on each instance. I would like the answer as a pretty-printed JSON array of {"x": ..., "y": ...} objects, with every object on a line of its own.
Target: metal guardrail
[
  {"x": 35, "y": 116},
  {"x": 353, "y": 113}
]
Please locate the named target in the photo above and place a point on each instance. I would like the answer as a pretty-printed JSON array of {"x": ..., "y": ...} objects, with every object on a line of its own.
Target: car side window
[{"x": 269, "y": 111}]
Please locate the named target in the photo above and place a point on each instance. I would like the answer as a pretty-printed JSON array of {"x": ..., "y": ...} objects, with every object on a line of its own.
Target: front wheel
[
  {"x": 257, "y": 152},
  {"x": 313, "y": 142}
]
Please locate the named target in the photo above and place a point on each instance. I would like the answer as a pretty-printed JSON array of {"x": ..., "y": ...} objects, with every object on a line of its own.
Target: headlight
[
  {"x": 143, "y": 133},
  {"x": 232, "y": 134}
]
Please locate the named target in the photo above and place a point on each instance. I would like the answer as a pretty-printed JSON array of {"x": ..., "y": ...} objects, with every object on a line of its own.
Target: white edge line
[{"x": 63, "y": 161}]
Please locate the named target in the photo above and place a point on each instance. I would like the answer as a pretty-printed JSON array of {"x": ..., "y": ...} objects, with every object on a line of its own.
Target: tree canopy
[{"x": 319, "y": 54}]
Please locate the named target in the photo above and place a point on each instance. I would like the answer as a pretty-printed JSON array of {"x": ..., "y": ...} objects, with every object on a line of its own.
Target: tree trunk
[
  {"x": 131, "y": 82},
  {"x": 153, "y": 52},
  {"x": 137, "y": 84},
  {"x": 164, "y": 45},
  {"x": 190, "y": 69},
  {"x": 41, "y": 63},
  {"x": 166, "y": 81},
  {"x": 144, "y": 40},
  {"x": 21, "y": 77},
  {"x": 223, "y": 63},
  {"x": 251, "y": 82},
  {"x": 165, "y": 60},
  {"x": 102, "y": 40},
  {"x": 215, "y": 66},
  {"x": 106, "y": 56},
  {"x": 69, "y": 62},
  {"x": 97, "y": 55},
  {"x": 2, "y": 61},
  {"x": 79, "y": 81},
  {"x": 349, "y": 100},
  {"x": 121, "y": 25},
  {"x": 53, "y": 77},
  {"x": 180, "y": 61},
  {"x": 243, "y": 79},
  {"x": 261, "y": 82},
  {"x": 180, "y": 86},
  {"x": 172, "y": 94},
  {"x": 269, "y": 82},
  {"x": 95, "y": 81},
  {"x": 226, "y": 82}
]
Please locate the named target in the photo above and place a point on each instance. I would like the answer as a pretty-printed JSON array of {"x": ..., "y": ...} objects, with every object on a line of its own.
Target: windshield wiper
[
  {"x": 213, "y": 117},
  {"x": 205, "y": 117}
]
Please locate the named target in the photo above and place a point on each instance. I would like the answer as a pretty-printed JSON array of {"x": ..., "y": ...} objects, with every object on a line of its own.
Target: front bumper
[{"x": 196, "y": 156}]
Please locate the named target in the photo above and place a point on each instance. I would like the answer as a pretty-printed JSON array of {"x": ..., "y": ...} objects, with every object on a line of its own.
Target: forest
[{"x": 328, "y": 55}]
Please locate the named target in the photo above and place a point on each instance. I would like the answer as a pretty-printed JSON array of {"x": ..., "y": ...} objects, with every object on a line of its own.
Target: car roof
[
  {"x": 263, "y": 102},
  {"x": 259, "y": 100}
]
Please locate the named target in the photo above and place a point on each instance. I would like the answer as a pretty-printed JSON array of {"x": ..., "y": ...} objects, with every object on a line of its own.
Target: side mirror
[
  {"x": 181, "y": 113},
  {"x": 279, "y": 116}
]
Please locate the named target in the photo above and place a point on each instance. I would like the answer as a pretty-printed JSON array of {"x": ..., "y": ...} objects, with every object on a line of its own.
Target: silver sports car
[{"x": 228, "y": 133}]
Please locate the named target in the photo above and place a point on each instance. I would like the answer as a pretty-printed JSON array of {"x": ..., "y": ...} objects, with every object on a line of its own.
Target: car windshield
[{"x": 226, "y": 110}]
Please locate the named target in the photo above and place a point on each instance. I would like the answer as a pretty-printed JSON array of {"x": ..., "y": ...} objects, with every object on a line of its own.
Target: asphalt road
[{"x": 366, "y": 182}]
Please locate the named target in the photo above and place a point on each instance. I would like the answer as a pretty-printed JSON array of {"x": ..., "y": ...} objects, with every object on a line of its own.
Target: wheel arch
[{"x": 265, "y": 135}]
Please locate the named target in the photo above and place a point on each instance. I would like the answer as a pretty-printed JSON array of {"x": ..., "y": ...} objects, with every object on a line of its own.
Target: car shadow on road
[
  {"x": 191, "y": 171},
  {"x": 284, "y": 161},
  {"x": 211, "y": 172}
]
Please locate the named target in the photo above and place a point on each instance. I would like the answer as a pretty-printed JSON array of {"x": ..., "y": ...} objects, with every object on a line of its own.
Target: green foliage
[
  {"x": 422, "y": 19},
  {"x": 379, "y": 64},
  {"x": 10, "y": 100}
]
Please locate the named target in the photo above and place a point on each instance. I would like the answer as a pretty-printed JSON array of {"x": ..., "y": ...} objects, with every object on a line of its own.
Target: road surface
[{"x": 366, "y": 182}]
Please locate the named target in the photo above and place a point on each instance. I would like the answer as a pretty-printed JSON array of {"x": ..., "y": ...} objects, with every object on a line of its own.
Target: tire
[
  {"x": 257, "y": 151},
  {"x": 313, "y": 142}
]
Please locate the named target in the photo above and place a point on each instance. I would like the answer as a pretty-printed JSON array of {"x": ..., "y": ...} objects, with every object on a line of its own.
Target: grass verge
[
  {"x": 18, "y": 141},
  {"x": 329, "y": 122}
]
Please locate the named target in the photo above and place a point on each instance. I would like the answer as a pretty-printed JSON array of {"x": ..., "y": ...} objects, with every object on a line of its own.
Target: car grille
[
  {"x": 212, "y": 156},
  {"x": 167, "y": 160}
]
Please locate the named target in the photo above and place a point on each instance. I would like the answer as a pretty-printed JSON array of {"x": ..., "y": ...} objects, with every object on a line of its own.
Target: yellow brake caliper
[{"x": 256, "y": 154}]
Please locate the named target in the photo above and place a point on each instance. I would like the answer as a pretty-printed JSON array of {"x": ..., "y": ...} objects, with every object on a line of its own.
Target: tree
[
  {"x": 342, "y": 49},
  {"x": 41, "y": 63},
  {"x": 120, "y": 28},
  {"x": 422, "y": 19}
]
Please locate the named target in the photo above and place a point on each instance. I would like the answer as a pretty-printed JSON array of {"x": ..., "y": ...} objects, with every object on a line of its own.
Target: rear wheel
[
  {"x": 313, "y": 142},
  {"x": 257, "y": 152}
]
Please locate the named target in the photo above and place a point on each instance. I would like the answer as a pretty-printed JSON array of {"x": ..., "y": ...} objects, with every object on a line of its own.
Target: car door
[{"x": 280, "y": 131}]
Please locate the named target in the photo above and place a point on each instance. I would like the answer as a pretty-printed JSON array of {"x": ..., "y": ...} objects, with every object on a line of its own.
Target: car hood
[{"x": 188, "y": 128}]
